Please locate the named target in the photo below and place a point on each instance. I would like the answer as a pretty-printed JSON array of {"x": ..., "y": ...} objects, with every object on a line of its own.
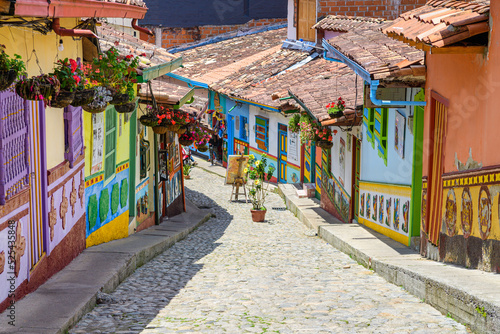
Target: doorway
[
  {"x": 306, "y": 19},
  {"x": 282, "y": 152}
]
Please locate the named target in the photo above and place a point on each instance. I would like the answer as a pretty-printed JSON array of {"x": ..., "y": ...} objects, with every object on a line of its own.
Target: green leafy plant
[
  {"x": 308, "y": 128},
  {"x": 257, "y": 172},
  {"x": 69, "y": 74},
  {"x": 186, "y": 169},
  {"x": 8, "y": 63},
  {"x": 293, "y": 124},
  {"x": 115, "y": 71},
  {"x": 481, "y": 311}
]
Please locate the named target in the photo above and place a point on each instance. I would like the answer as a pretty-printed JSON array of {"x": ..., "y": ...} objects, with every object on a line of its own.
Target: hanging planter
[
  {"x": 186, "y": 142},
  {"x": 100, "y": 102},
  {"x": 10, "y": 68},
  {"x": 38, "y": 88},
  {"x": 202, "y": 148},
  {"x": 62, "y": 100},
  {"x": 125, "y": 108},
  {"x": 148, "y": 120},
  {"x": 119, "y": 99},
  {"x": 336, "y": 110},
  {"x": 324, "y": 144},
  {"x": 83, "y": 97},
  {"x": 7, "y": 78},
  {"x": 160, "y": 129}
]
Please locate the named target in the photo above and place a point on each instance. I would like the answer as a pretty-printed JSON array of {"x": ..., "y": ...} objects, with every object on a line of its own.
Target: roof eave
[
  {"x": 157, "y": 71},
  {"x": 72, "y": 8}
]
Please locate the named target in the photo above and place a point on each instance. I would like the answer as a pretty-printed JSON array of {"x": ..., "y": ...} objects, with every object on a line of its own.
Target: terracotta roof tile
[
  {"x": 203, "y": 62},
  {"x": 377, "y": 53},
  {"x": 343, "y": 23},
  {"x": 127, "y": 44},
  {"x": 443, "y": 23}
]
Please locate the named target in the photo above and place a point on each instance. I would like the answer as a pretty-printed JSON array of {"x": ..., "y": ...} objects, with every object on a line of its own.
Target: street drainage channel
[{"x": 279, "y": 209}]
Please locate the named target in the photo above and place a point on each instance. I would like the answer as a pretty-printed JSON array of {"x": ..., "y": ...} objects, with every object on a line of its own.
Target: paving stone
[{"x": 232, "y": 275}]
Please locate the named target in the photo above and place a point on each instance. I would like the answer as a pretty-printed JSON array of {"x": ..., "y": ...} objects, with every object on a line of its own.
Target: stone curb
[
  {"x": 143, "y": 247},
  {"x": 457, "y": 292}
]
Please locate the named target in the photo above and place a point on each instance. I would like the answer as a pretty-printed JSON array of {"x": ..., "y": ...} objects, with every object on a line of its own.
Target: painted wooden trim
[
  {"x": 416, "y": 192},
  {"x": 440, "y": 98}
]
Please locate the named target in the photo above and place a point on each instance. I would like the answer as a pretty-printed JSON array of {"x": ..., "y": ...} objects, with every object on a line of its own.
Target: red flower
[
  {"x": 334, "y": 132},
  {"x": 129, "y": 56},
  {"x": 74, "y": 65},
  {"x": 77, "y": 79}
]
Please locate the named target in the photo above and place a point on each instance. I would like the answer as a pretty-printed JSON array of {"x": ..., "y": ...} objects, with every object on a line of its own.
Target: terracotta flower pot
[{"x": 258, "y": 215}]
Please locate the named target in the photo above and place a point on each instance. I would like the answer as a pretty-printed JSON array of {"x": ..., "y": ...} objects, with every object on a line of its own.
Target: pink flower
[{"x": 74, "y": 65}]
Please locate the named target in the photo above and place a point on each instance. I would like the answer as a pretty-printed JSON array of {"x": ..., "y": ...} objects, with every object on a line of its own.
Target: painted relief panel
[
  {"x": 66, "y": 204},
  {"x": 337, "y": 194},
  {"x": 385, "y": 208},
  {"x": 471, "y": 205},
  {"x": 14, "y": 251},
  {"x": 174, "y": 188}
]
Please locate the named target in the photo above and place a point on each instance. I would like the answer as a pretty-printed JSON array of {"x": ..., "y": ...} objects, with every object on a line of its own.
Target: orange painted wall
[{"x": 471, "y": 83}]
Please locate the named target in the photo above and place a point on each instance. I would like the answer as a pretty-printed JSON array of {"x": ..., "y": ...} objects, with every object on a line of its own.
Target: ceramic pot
[{"x": 258, "y": 215}]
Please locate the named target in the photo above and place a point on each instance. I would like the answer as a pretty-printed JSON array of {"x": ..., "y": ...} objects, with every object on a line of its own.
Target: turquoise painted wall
[{"x": 397, "y": 171}]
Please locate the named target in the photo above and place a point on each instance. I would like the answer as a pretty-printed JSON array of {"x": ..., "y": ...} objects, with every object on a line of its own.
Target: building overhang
[{"x": 70, "y": 8}]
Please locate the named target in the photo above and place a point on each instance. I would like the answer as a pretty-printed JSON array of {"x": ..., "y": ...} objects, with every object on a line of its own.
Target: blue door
[
  {"x": 282, "y": 152},
  {"x": 230, "y": 134}
]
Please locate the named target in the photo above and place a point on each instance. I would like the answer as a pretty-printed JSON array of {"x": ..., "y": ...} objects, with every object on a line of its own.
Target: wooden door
[
  {"x": 306, "y": 19},
  {"x": 282, "y": 153},
  {"x": 439, "y": 108}
]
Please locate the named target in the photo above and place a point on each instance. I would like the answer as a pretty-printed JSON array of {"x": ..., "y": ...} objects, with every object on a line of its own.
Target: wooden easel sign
[{"x": 235, "y": 174}]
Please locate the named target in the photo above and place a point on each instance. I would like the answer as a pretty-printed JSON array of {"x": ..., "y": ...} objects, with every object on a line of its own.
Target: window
[
  {"x": 243, "y": 128},
  {"x": 375, "y": 120},
  {"x": 381, "y": 119},
  {"x": 73, "y": 134},
  {"x": 110, "y": 144},
  {"x": 14, "y": 145},
  {"x": 262, "y": 133}
]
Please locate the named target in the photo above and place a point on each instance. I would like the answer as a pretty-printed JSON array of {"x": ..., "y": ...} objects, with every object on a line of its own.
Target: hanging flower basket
[
  {"x": 119, "y": 99},
  {"x": 31, "y": 89},
  {"x": 147, "y": 120},
  {"x": 102, "y": 96},
  {"x": 186, "y": 142},
  {"x": 83, "y": 97},
  {"x": 202, "y": 148},
  {"x": 62, "y": 100},
  {"x": 172, "y": 127},
  {"x": 181, "y": 130},
  {"x": 324, "y": 144},
  {"x": 7, "y": 78},
  {"x": 126, "y": 107},
  {"x": 160, "y": 129},
  {"x": 94, "y": 109}
]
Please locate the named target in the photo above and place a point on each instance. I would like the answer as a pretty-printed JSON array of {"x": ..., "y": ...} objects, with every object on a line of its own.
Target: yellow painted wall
[
  {"x": 115, "y": 229},
  {"x": 123, "y": 142},
  {"x": 87, "y": 137},
  {"x": 22, "y": 41}
]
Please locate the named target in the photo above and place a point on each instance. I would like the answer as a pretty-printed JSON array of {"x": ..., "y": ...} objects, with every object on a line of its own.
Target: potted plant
[
  {"x": 336, "y": 110},
  {"x": 187, "y": 138},
  {"x": 101, "y": 99},
  {"x": 10, "y": 68},
  {"x": 69, "y": 74},
  {"x": 186, "y": 170},
  {"x": 202, "y": 137},
  {"x": 41, "y": 87},
  {"x": 85, "y": 89},
  {"x": 257, "y": 172},
  {"x": 160, "y": 119},
  {"x": 293, "y": 124},
  {"x": 323, "y": 138},
  {"x": 308, "y": 128},
  {"x": 118, "y": 73}
]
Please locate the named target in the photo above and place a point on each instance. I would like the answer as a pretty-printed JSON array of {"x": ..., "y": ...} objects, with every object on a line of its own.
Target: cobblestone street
[{"x": 235, "y": 276}]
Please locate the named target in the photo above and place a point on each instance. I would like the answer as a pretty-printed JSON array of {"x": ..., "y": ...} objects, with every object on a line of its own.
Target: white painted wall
[
  {"x": 292, "y": 31},
  {"x": 346, "y": 176}
]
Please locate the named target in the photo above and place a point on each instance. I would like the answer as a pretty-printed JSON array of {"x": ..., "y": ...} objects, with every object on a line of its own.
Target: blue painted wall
[
  {"x": 397, "y": 171},
  {"x": 192, "y": 13}
]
